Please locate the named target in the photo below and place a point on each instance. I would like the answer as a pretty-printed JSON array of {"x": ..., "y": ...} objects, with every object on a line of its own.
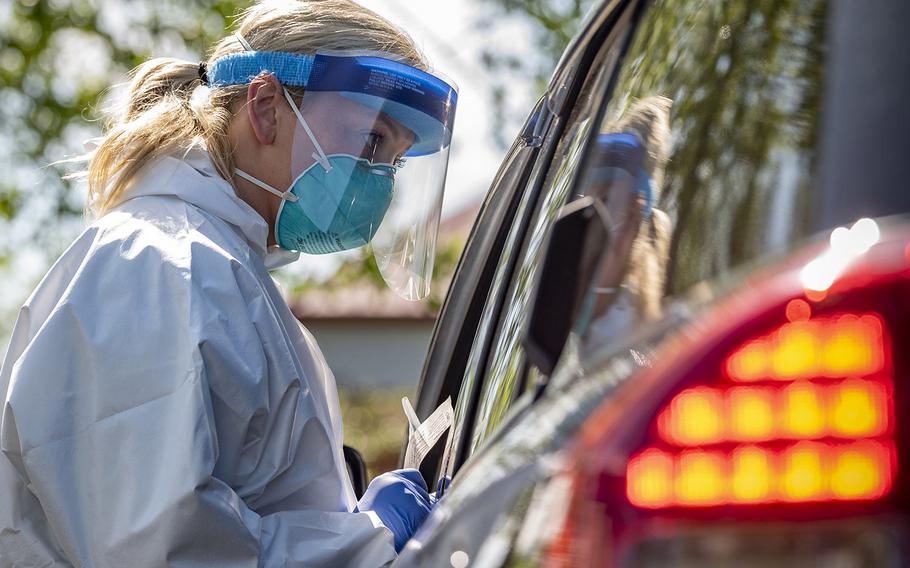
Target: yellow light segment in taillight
[
  {"x": 700, "y": 478},
  {"x": 795, "y": 349},
  {"x": 845, "y": 345},
  {"x": 750, "y": 362},
  {"x": 802, "y": 477},
  {"x": 861, "y": 472},
  {"x": 801, "y": 411},
  {"x": 858, "y": 409},
  {"x": 750, "y": 413},
  {"x": 695, "y": 417},
  {"x": 802, "y": 472},
  {"x": 853, "y": 347},
  {"x": 849, "y": 409},
  {"x": 751, "y": 481},
  {"x": 650, "y": 479},
  {"x": 814, "y": 423}
]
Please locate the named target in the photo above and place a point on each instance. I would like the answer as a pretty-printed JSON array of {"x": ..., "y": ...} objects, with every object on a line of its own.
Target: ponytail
[{"x": 158, "y": 118}]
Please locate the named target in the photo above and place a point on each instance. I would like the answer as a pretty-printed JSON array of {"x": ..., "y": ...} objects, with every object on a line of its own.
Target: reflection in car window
[
  {"x": 746, "y": 83},
  {"x": 625, "y": 172},
  {"x": 711, "y": 130}
]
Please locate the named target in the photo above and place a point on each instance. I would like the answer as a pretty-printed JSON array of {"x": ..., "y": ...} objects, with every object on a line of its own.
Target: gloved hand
[{"x": 401, "y": 501}]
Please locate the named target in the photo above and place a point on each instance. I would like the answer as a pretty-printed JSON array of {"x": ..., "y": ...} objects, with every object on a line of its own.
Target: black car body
[{"x": 583, "y": 310}]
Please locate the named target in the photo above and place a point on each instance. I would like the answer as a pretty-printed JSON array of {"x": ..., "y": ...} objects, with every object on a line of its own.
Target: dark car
[{"x": 673, "y": 338}]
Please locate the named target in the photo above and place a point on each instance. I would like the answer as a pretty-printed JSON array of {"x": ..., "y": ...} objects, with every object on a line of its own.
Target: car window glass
[
  {"x": 459, "y": 318},
  {"x": 506, "y": 368},
  {"x": 507, "y": 356},
  {"x": 703, "y": 159},
  {"x": 705, "y": 154}
]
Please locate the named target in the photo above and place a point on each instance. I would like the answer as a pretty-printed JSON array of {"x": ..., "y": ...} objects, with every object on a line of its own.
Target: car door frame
[{"x": 451, "y": 343}]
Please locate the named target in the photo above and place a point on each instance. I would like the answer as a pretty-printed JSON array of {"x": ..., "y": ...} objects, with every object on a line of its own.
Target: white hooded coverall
[{"x": 163, "y": 407}]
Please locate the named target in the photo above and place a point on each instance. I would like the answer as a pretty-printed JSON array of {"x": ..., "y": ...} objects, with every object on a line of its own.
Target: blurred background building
[{"x": 64, "y": 63}]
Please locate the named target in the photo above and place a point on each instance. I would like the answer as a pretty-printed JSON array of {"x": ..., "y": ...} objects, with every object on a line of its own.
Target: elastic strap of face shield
[{"x": 243, "y": 42}]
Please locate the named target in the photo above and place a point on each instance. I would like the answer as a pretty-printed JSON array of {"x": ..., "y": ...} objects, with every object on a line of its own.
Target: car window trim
[{"x": 584, "y": 52}]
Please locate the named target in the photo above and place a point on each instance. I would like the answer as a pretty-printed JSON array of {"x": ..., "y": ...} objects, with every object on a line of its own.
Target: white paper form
[{"x": 424, "y": 436}]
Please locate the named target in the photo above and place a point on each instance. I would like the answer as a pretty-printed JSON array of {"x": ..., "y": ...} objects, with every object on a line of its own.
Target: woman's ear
[{"x": 263, "y": 100}]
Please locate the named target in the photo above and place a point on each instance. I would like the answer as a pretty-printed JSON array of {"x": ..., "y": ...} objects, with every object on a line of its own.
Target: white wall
[{"x": 374, "y": 353}]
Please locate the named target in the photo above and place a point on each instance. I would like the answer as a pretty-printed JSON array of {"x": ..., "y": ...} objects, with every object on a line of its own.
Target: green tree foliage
[{"x": 58, "y": 62}]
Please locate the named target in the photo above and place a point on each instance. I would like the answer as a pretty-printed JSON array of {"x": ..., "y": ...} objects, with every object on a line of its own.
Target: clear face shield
[
  {"x": 381, "y": 130},
  {"x": 368, "y": 161}
]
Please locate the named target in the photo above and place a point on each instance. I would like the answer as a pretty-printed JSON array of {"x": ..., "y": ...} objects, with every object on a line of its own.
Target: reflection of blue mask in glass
[{"x": 336, "y": 210}]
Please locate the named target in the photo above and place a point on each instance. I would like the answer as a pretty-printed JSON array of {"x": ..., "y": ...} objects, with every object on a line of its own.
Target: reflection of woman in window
[{"x": 627, "y": 175}]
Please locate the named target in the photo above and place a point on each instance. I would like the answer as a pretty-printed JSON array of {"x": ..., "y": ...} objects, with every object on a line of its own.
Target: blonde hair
[{"x": 161, "y": 116}]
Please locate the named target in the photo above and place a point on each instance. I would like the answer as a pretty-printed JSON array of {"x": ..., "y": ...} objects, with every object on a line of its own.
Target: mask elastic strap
[
  {"x": 320, "y": 156},
  {"x": 287, "y": 195}
]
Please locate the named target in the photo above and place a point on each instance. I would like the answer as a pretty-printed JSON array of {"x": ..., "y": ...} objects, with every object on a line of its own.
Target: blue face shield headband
[
  {"x": 368, "y": 160},
  {"x": 423, "y": 103},
  {"x": 621, "y": 156}
]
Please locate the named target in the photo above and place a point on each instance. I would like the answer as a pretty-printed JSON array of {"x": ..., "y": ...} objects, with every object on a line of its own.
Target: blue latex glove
[{"x": 400, "y": 500}]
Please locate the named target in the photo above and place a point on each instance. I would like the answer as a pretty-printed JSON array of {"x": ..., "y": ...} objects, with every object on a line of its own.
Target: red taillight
[
  {"x": 848, "y": 408},
  {"x": 778, "y": 408},
  {"x": 799, "y": 414}
]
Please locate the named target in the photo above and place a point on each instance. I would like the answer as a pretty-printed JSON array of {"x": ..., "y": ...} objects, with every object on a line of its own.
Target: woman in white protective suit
[{"x": 161, "y": 404}]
